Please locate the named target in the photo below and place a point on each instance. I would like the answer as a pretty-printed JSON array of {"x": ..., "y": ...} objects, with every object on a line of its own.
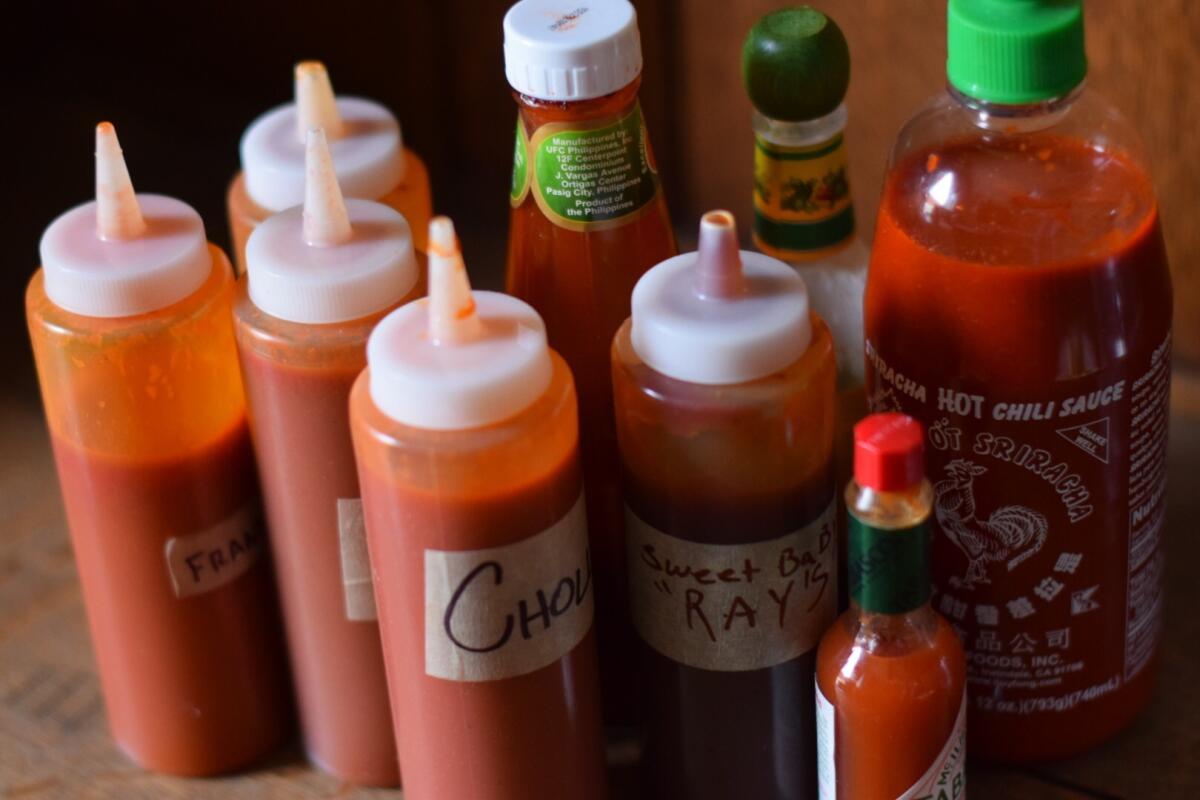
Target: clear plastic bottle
[
  {"x": 466, "y": 438},
  {"x": 130, "y": 321},
  {"x": 891, "y": 675},
  {"x": 319, "y": 277},
  {"x": 724, "y": 387},
  {"x": 368, "y": 153},
  {"x": 1019, "y": 306}
]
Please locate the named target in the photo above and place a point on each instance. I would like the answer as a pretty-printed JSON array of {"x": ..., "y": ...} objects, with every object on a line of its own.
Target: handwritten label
[
  {"x": 733, "y": 608},
  {"x": 201, "y": 562},
  {"x": 510, "y": 610},
  {"x": 358, "y": 590}
]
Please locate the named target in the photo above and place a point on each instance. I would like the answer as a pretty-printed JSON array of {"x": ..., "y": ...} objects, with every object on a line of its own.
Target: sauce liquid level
[
  {"x": 1027, "y": 270},
  {"x": 193, "y": 685},
  {"x": 580, "y": 283}
]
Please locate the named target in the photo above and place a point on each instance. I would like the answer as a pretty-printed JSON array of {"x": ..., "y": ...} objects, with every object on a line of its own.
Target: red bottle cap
[{"x": 889, "y": 452}]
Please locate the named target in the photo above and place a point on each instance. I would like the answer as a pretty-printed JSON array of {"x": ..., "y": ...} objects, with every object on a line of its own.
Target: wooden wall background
[{"x": 182, "y": 80}]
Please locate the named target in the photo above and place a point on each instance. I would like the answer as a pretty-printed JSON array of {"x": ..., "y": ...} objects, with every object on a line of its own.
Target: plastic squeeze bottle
[
  {"x": 466, "y": 437},
  {"x": 318, "y": 279},
  {"x": 130, "y": 321},
  {"x": 588, "y": 218},
  {"x": 369, "y": 157},
  {"x": 1019, "y": 306},
  {"x": 796, "y": 67},
  {"x": 724, "y": 385},
  {"x": 891, "y": 677}
]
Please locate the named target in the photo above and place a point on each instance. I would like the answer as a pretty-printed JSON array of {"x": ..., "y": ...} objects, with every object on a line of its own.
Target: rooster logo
[{"x": 1010, "y": 535}]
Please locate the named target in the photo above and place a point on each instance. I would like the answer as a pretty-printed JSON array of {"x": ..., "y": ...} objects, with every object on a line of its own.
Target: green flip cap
[{"x": 1015, "y": 52}]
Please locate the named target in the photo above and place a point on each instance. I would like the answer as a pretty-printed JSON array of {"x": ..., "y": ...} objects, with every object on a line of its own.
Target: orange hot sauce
[
  {"x": 579, "y": 241},
  {"x": 130, "y": 322},
  {"x": 318, "y": 278},
  {"x": 891, "y": 677},
  {"x": 465, "y": 434}
]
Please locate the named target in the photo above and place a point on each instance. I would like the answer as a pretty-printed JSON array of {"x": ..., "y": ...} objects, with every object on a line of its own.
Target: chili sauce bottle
[
  {"x": 891, "y": 676},
  {"x": 588, "y": 218},
  {"x": 466, "y": 439},
  {"x": 1019, "y": 306},
  {"x": 318, "y": 279},
  {"x": 130, "y": 321},
  {"x": 369, "y": 156},
  {"x": 724, "y": 385},
  {"x": 796, "y": 67}
]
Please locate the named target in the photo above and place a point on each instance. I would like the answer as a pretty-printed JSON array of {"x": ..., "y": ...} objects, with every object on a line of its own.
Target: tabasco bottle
[
  {"x": 724, "y": 386},
  {"x": 1019, "y": 305},
  {"x": 588, "y": 218},
  {"x": 796, "y": 67},
  {"x": 891, "y": 707}
]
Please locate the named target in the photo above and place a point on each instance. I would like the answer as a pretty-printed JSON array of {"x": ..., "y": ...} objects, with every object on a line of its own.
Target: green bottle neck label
[
  {"x": 888, "y": 568},
  {"x": 802, "y": 202},
  {"x": 586, "y": 176}
]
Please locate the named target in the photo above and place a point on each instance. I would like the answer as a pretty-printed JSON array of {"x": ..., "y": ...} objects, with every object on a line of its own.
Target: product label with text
[
  {"x": 509, "y": 610},
  {"x": 801, "y": 197},
  {"x": 733, "y": 607},
  {"x": 204, "y": 561}
]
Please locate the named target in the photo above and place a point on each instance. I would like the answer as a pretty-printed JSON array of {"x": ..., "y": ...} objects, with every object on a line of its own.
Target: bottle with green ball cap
[{"x": 796, "y": 69}]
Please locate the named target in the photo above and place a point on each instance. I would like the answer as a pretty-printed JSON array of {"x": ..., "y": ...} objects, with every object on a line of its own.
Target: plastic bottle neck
[
  {"x": 1025, "y": 118},
  {"x": 804, "y": 133}
]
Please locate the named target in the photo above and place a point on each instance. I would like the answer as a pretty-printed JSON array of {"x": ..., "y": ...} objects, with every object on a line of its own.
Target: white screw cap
[
  {"x": 719, "y": 315},
  {"x": 555, "y": 50},
  {"x": 457, "y": 359},
  {"x": 123, "y": 254},
  {"x": 330, "y": 260},
  {"x": 364, "y": 139}
]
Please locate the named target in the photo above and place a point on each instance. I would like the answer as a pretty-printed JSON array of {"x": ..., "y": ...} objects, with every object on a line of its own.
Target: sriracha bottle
[{"x": 1019, "y": 305}]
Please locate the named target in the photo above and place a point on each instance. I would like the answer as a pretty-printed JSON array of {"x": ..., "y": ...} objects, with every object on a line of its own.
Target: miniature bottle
[
  {"x": 466, "y": 440},
  {"x": 318, "y": 278},
  {"x": 1019, "y": 306},
  {"x": 796, "y": 66},
  {"x": 369, "y": 156},
  {"x": 130, "y": 321},
  {"x": 578, "y": 242},
  {"x": 891, "y": 676},
  {"x": 724, "y": 387}
]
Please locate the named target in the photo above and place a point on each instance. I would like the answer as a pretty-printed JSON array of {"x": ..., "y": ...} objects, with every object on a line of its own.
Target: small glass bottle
[
  {"x": 130, "y": 321},
  {"x": 318, "y": 278},
  {"x": 588, "y": 218},
  {"x": 466, "y": 438},
  {"x": 369, "y": 155},
  {"x": 724, "y": 388},
  {"x": 891, "y": 675},
  {"x": 796, "y": 67}
]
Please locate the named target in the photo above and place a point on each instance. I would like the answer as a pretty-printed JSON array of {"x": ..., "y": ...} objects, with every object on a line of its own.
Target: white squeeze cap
[
  {"x": 720, "y": 315},
  {"x": 364, "y": 138},
  {"x": 123, "y": 254},
  {"x": 330, "y": 260},
  {"x": 457, "y": 359},
  {"x": 555, "y": 50}
]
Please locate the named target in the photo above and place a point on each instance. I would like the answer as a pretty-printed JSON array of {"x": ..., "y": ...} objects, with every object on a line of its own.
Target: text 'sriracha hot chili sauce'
[
  {"x": 130, "y": 321},
  {"x": 588, "y": 218},
  {"x": 318, "y": 278},
  {"x": 725, "y": 387},
  {"x": 1019, "y": 306},
  {"x": 796, "y": 67},
  {"x": 369, "y": 157},
  {"x": 466, "y": 439},
  {"x": 891, "y": 676}
]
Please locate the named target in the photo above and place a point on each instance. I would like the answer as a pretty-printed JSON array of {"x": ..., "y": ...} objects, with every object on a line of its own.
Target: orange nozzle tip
[
  {"x": 118, "y": 215},
  {"x": 326, "y": 221},
  {"x": 719, "y": 262},
  {"x": 316, "y": 105},
  {"x": 452, "y": 316}
]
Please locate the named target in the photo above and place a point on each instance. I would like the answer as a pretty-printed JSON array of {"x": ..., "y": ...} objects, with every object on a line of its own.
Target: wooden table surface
[{"x": 54, "y": 743}]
